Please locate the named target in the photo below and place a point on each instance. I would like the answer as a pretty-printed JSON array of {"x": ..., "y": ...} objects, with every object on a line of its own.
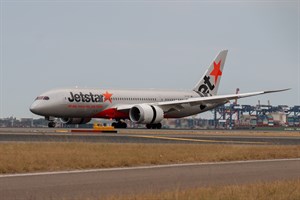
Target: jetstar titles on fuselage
[{"x": 81, "y": 97}]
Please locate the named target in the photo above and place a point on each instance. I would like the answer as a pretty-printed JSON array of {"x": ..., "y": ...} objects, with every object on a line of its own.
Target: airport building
[{"x": 240, "y": 116}]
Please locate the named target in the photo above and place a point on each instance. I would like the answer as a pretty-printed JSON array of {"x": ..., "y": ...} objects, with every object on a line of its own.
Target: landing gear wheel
[
  {"x": 158, "y": 126},
  {"x": 148, "y": 126},
  {"x": 119, "y": 124},
  {"x": 123, "y": 125},
  {"x": 51, "y": 124},
  {"x": 154, "y": 126}
]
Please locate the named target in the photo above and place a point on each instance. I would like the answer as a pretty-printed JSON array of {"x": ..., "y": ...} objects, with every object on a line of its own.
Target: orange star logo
[
  {"x": 107, "y": 96},
  {"x": 216, "y": 72}
]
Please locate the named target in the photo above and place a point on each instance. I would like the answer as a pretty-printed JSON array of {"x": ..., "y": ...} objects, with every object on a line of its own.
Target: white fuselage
[{"x": 95, "y": 103}]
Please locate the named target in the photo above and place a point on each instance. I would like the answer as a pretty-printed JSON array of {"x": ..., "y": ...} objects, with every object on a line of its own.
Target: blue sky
[{"x": 146, "y": 44}]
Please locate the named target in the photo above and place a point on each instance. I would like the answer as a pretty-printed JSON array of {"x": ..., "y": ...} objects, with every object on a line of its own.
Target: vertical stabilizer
[{"x": 209, "y": 83}]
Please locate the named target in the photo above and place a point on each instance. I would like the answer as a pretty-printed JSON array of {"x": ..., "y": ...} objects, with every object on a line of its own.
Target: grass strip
[
  {"x": 278, "y": 190},
  {"x": 35, "y": 157}
]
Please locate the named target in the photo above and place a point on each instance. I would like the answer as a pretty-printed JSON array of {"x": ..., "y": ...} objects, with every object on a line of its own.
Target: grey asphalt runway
[
  {"x": 118, "y": 181},
  {"x": 133, "y": 136}
]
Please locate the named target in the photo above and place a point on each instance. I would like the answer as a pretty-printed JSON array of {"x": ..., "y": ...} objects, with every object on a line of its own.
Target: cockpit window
[{"x": 42, "y": 98}]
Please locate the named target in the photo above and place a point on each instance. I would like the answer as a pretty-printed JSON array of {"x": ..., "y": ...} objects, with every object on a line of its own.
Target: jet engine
[
  {"x": 146, "y": 114},
  {"x": 75, "y": 120}
]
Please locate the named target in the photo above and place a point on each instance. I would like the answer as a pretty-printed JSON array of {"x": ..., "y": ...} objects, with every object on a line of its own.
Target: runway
[
  {"x": 106, "y": 182},
  {"x": 141, "y": 136}
]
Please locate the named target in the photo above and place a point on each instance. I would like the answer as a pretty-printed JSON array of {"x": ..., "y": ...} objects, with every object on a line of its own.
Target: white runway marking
[{"x": 145, "y": 167}]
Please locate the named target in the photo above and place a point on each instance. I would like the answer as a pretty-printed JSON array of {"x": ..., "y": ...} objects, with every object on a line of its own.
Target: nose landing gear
[{"x": 51, "y": 124}]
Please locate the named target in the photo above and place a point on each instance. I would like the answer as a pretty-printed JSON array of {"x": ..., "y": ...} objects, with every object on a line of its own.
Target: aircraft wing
[{"x": 218, "y": 99}]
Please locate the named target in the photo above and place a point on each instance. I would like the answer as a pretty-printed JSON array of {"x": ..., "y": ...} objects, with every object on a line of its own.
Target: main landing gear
[
  {"x": 119, "y": 124},
  {"x": 154, "y": 126}
]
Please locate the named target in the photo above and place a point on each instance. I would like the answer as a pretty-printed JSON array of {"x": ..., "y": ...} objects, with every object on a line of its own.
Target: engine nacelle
[
  {"x": 146, "y": 114},
  {"x": 75, "y": 120}
]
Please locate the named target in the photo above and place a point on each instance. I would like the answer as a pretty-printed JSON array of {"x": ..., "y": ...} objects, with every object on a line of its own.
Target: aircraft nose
[
  {"x": 35, "y": 108},
  {"x": 43, "y": 106}
]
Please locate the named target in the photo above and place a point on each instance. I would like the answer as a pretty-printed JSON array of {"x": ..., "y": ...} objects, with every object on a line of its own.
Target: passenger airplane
[{"x": 150, "y": 107}]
